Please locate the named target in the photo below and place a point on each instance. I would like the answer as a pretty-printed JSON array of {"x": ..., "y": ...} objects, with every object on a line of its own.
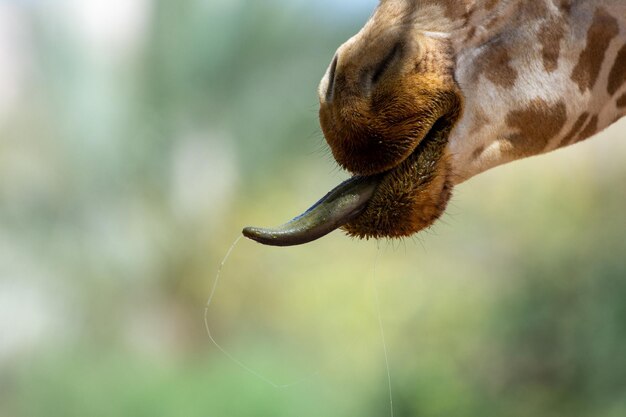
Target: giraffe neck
[{"x": 536, "y": 75}]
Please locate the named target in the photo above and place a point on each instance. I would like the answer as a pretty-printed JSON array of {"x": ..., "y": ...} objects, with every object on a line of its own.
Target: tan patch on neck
[
  {"x": 495, "y": 64},
  {"x": 621, "y": 102},
  {"x": 567, "y": 140},
  {"x": 550, "y": 36},
  {"x": 589, "y": 130},
  {"x": 535, "y": 125},
  {"x": 617, "y": 77},
  {"x": 602, "y": 31}
]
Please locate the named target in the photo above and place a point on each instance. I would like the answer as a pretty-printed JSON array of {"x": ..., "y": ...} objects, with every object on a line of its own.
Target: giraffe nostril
[
  {"x": 386, "y": 62},
  {"x": 331, "y": 79}
]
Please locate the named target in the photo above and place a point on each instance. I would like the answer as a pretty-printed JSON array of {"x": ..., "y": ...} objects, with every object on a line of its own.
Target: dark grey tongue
[{"x": 334, "y": 210}]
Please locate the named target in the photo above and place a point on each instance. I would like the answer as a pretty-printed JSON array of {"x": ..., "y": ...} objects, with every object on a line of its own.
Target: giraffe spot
[
  {"x": 495, "y": 64},
  {"x": 575, "y": 130},
  {"x": 550, "y": 36},
  {"x": 617, "y": 76},
  {"x": 535, "y": 124},
  {"x": 589, "y": 130},
  {"x": 602, "y": 31},
  {"x": 621, "y": 101}
]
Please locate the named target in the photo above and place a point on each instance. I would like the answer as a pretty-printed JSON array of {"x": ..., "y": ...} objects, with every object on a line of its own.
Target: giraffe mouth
[{"x": 396, "y": 203}]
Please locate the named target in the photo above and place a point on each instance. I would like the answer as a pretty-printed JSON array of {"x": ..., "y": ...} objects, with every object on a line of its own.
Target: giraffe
[{"x": 430, "y": 93}]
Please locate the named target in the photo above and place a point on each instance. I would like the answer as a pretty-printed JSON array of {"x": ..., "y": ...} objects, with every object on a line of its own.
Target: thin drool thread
[
  {"x": 382, "y": 331},
  {"x": 218, "y": 346}
]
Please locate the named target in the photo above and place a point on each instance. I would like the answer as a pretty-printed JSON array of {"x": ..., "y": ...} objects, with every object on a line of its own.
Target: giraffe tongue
[{"x": 337, "y": 208}]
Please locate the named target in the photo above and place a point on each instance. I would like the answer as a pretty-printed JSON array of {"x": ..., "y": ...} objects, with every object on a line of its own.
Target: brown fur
[
  {"x": 602, "y": 31},
  {"x": 617, "y": 76},
  {"x": 566, "y": 6},
  {"x": 590, "y": 129},
  {"x": 369, "y": 135},
  {"x": 415, "y": 194},
  {"x": 580, "y": 122},
  {"x": 491, "y": 4},
  {"x": 495, "y": 64},
  {"x": 535, "y": 124},
  {"x": 478, "y": 152},
  {"x": 550, "y": 36}
]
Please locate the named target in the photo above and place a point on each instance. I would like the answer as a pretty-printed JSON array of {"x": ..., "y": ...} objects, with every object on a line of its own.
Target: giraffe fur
[{"x": 502, "y": 79}]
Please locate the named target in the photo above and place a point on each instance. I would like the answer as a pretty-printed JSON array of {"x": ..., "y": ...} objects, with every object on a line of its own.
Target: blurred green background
[{"x": 137, "y": 137}]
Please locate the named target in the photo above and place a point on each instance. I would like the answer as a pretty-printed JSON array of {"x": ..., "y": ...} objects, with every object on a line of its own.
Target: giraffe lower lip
[
  {"x": 412, "y": 195},
  {"x": 338, "y": 207}
]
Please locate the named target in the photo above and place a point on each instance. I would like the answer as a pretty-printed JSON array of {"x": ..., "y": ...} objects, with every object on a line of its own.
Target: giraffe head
[
  {"x": 432, "y": 92},
  {"x": 388, "y": 102}
]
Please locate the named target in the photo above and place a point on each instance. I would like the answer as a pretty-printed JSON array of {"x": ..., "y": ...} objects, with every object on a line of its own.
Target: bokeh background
[{"x": 137, "y": 137}]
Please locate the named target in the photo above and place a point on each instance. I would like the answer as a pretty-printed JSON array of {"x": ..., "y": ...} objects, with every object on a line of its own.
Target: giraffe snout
[{"x": 358, "y": 74}]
